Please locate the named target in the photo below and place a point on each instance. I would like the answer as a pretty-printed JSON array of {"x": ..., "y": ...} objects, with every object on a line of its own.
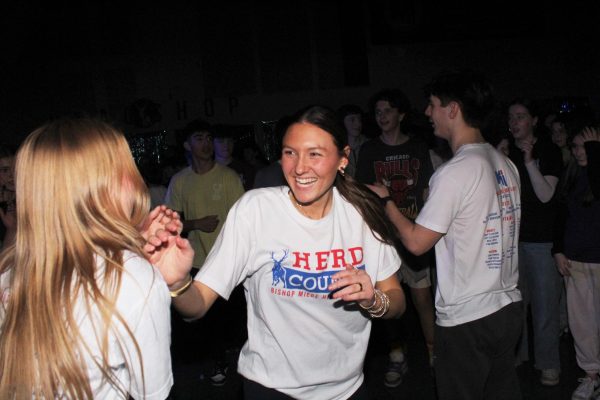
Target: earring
[{"x": 342, "y": 171}]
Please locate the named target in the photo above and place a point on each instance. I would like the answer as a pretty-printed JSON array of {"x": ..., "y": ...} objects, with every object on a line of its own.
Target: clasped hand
[{"x": 165, "y": 248}]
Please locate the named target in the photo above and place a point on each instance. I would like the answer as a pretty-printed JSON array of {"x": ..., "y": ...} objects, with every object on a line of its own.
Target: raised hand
[
  {"x": 161, "y": 218},
  {"x": 527, "y": 149},
  {"x": 590, "y": 133},
  {"x": 171, "y": 254}
]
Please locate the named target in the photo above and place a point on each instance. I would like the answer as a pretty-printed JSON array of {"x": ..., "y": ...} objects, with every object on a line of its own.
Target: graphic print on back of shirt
[
  {"x": 506, "y": 216},
  {"x": 309, "y": 274}
]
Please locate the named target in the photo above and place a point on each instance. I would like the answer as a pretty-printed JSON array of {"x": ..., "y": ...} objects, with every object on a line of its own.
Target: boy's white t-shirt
[
  {"x": 474, "y": 200},
  {"x": 300, "y": 341}
]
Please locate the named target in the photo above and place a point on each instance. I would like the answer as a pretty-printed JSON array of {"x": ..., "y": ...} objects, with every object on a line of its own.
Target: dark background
[{"x": 153, "y": 67}]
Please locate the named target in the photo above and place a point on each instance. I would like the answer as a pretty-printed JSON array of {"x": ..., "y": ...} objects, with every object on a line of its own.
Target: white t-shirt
[
  {"x": 144, "y": 303},
  {"x": 300, "y": 342},
  {"x": 474, "y": 199}
]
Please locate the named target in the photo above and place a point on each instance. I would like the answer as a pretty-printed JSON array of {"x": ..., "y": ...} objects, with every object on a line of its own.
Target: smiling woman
[
  {"x": 310, "y": 163},
  {"x": 539, "y": 162},
  {"x": 317, "y": 260},
  {"x": 314, "y": 157}
]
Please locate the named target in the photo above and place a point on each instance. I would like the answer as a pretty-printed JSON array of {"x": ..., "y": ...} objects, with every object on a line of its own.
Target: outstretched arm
[
  {"x": 416, "y": 238},
  {"x": 196, "y": 301},
  {"x": 173, "y": 256}
]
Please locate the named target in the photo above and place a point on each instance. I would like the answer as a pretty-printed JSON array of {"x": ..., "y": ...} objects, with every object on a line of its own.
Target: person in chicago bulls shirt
[{"x": 400, "y": 160}]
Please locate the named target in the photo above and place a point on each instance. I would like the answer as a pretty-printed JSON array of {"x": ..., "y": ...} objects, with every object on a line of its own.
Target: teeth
[{"x": 305, "y": 181}]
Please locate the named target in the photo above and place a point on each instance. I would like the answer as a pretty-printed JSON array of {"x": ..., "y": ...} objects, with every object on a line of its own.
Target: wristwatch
[{"x": 384, "y": 200}]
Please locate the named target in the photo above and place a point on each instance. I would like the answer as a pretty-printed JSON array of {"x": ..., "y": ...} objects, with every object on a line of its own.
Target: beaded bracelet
[
  {"x": 182, "y": 290},
  {"x": 384, "y": 200}
]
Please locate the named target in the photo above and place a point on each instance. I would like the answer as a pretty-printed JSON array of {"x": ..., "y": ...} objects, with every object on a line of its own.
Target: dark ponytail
[{"x": 369, "y": 206}]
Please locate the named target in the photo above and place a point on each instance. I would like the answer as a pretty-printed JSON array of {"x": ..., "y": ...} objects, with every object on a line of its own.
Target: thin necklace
[{"x": 301, "y": 208}]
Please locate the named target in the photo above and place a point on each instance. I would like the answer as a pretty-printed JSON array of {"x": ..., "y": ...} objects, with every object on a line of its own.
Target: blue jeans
[{"x": 540, "y": 285}]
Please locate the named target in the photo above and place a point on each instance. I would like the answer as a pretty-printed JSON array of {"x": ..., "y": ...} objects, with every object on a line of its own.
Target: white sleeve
[
  {"x": 443, "y": 203},
  {"x": 229, "y": 261},
  {"x": 389, "y": 262},
  {"x": 150, "y": 323}
]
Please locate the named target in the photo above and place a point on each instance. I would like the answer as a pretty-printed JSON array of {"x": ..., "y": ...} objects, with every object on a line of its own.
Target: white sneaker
[
  {"x": 586, "y": 388},
  {"x": 396, "y": 370},
  {"x": 395, "y": 373}
]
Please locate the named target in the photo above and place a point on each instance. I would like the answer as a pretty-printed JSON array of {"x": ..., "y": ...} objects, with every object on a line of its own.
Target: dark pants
[
  {"x": 476, "y": 360},
  {"x": 256, "y": 391}
]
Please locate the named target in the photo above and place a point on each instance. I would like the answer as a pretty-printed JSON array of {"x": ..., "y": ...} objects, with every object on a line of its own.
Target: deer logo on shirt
[{"x": 278, "y": 271}]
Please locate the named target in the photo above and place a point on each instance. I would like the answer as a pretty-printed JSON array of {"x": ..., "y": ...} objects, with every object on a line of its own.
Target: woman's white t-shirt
[
  {"x": 300, "y": 341},
  {"x": 144, "y": 303}
]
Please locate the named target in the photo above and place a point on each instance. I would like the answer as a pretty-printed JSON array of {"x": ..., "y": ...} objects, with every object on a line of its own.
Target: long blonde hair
[{"x": 71, "y": 178}]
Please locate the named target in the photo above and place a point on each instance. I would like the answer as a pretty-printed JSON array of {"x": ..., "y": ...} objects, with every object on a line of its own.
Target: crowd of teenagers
[{"x": 490, "y": 235}]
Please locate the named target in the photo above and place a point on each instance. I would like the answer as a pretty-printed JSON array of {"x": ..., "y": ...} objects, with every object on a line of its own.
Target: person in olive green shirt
[{"x": 203, "y": 192}]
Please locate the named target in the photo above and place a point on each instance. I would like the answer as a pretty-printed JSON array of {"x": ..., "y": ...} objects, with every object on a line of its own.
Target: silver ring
[{"x": 360, "y": 284}]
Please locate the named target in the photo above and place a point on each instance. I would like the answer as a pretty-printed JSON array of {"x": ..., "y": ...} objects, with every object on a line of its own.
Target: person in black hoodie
[{"x": 577, "y": 254}]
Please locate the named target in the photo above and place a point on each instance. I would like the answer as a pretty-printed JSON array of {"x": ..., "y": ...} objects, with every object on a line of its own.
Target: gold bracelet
[
  {"x": 376, "y": 310},
  {"x": 386, "y": 306},
  {"x": 372, "y": 305},
  {"x": 183, "y": 289},
  {"x": 378, "y": 305}
]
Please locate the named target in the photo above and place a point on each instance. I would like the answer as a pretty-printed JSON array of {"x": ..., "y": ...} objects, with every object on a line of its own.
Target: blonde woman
[{"x": 85, "y": 315}]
